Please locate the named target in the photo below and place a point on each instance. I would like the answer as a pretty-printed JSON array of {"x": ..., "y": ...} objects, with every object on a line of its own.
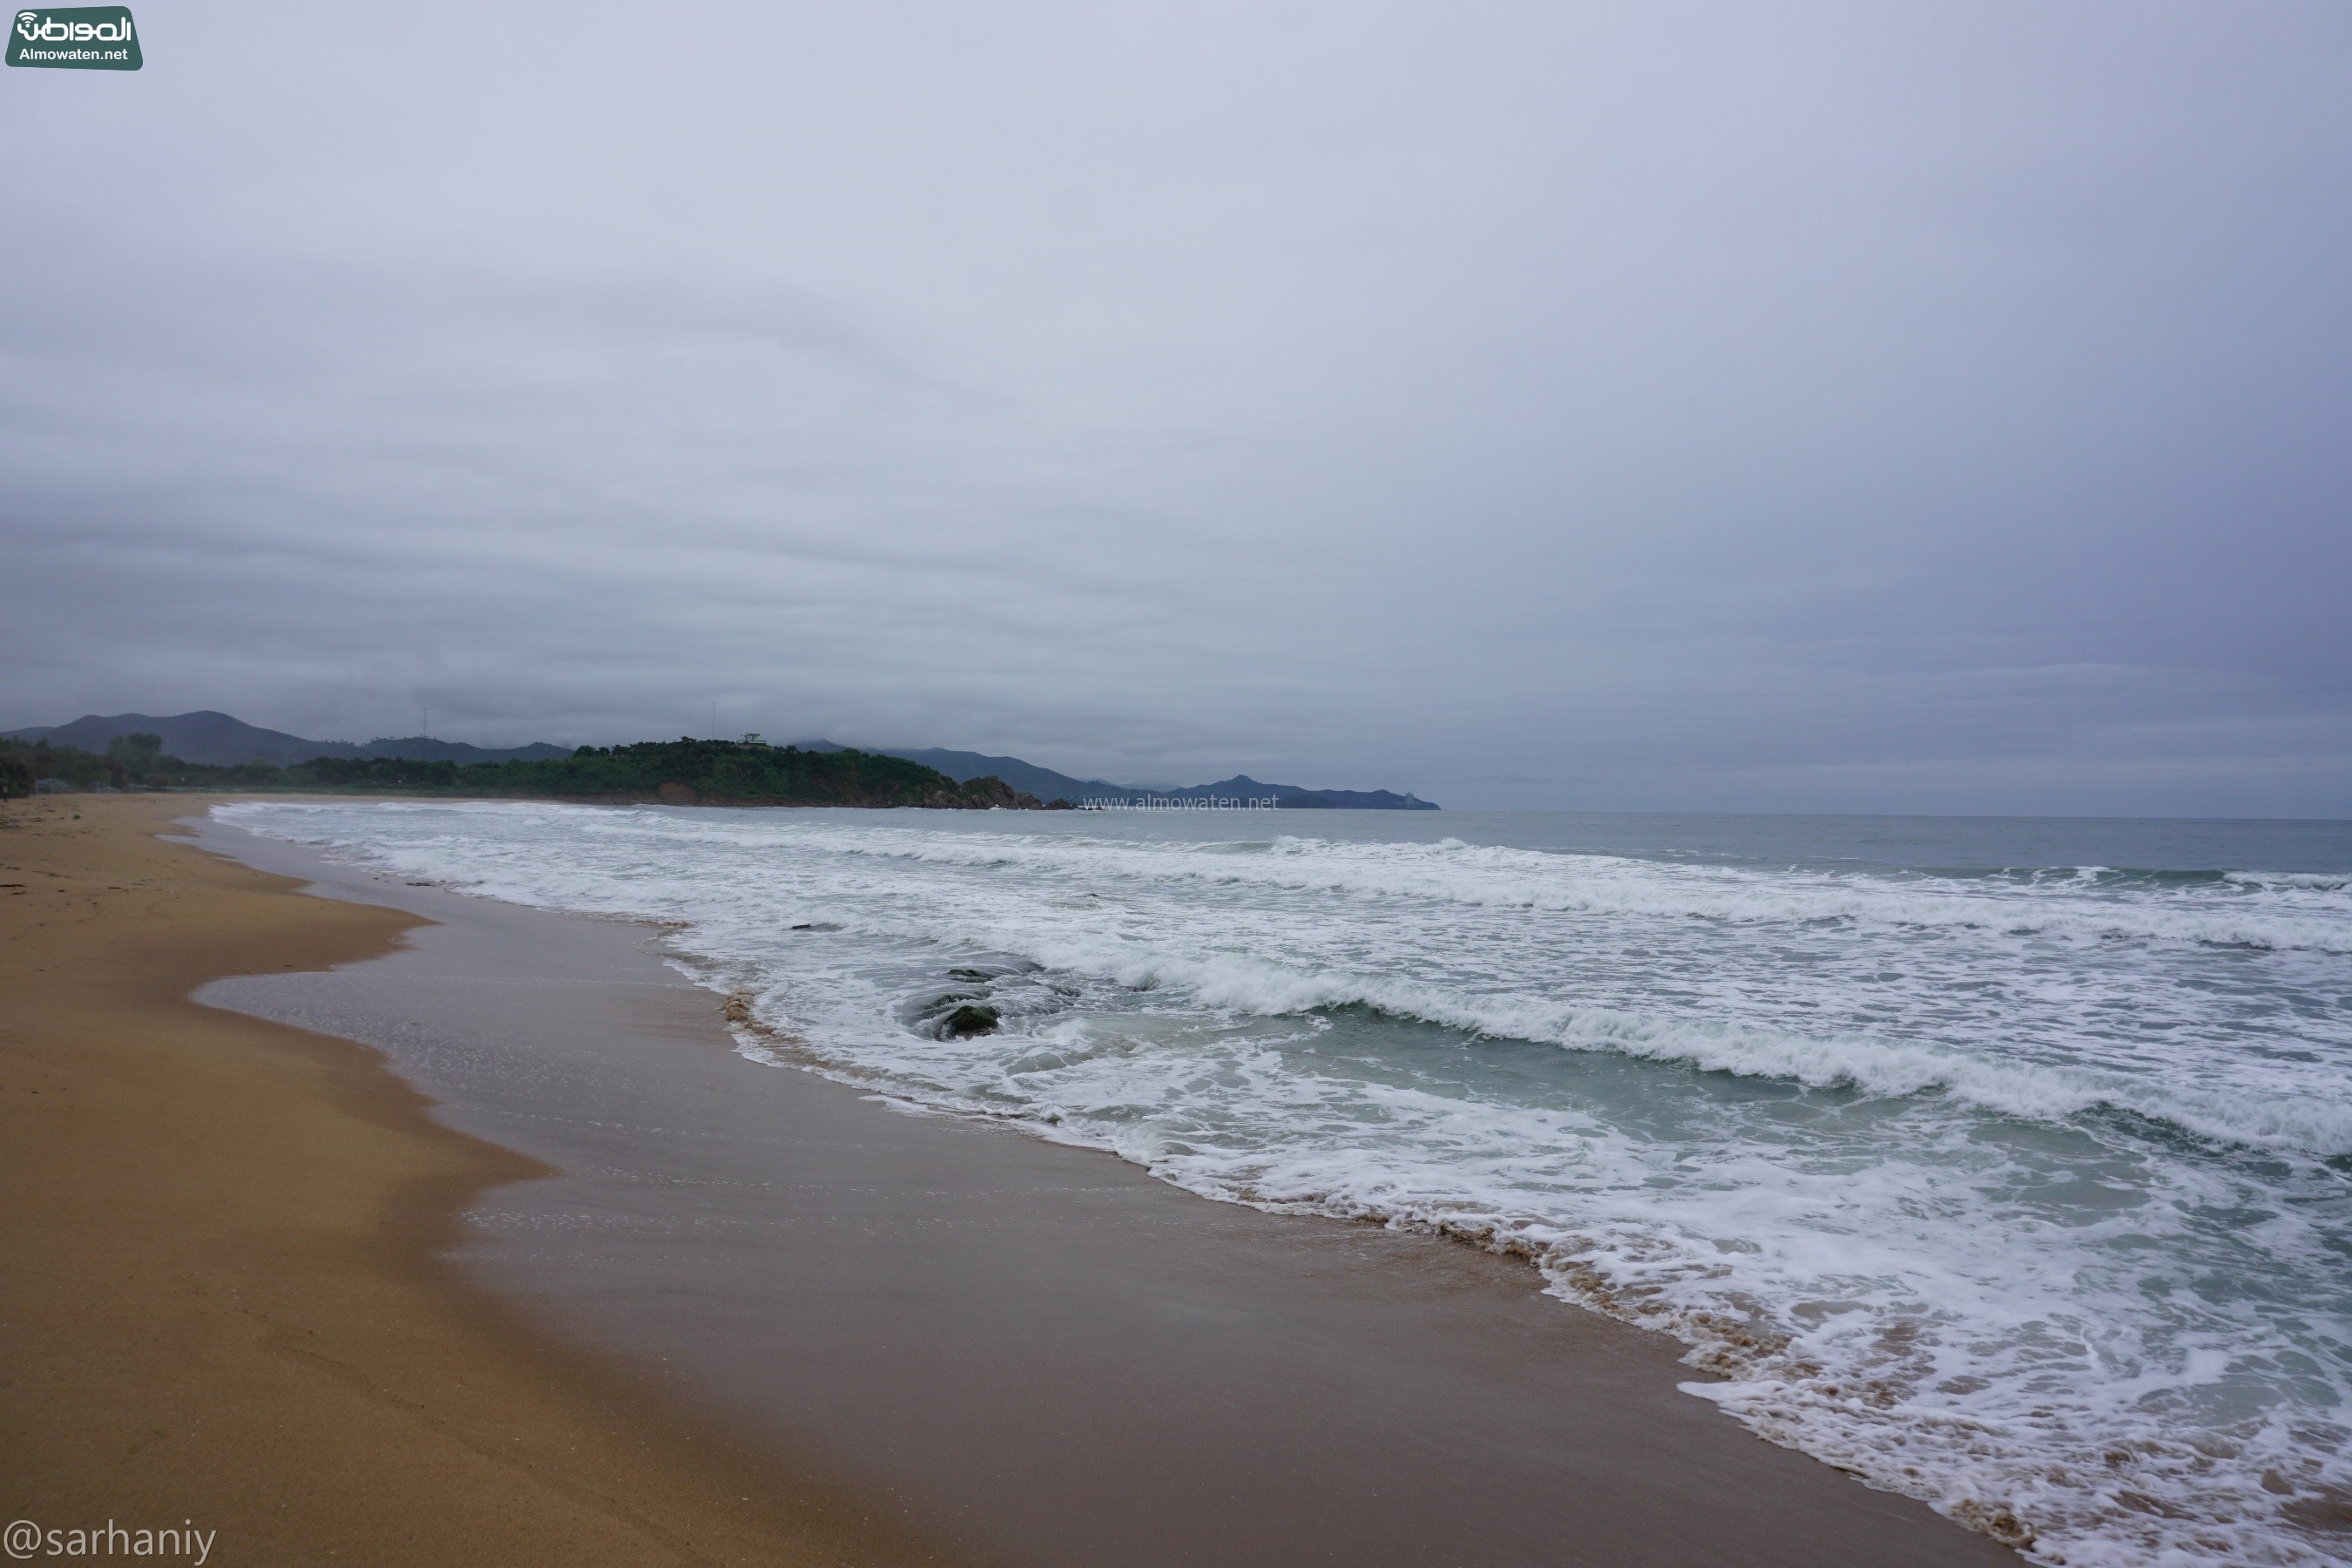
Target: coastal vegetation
[
  {"x": 129, "y": 761},
  {"x": 679, "y": 773}
]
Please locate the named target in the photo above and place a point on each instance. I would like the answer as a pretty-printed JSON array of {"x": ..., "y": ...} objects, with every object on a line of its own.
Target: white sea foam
[
  {"x": 2007, "y": 1190},
  {"x": 1519, "y": 878}
]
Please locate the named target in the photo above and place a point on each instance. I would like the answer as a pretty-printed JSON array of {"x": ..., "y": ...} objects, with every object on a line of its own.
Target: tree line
[{"x": 684, "y": 771}]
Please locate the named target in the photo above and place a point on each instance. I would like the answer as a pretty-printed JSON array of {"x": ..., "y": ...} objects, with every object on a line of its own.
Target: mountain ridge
[
  {"x": 220, "y": 740},
  {"x": 1046, "y": 785}
]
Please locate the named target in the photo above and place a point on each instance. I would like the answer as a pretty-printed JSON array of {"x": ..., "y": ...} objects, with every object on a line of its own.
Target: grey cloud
[{"x": 1821, "y": 408}]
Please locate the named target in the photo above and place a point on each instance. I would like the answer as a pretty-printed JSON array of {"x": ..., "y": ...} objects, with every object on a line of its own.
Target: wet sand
[
  {"x": 1035, "y": 1352},
  {"x": 225, "y": 1301}
]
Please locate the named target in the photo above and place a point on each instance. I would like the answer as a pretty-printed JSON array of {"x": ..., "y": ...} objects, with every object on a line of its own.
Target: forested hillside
[{"x": 679, "y": 773}]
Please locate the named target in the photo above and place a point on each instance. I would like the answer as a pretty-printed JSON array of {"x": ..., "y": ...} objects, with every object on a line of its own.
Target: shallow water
[{"x": 2003, "y": 1163}]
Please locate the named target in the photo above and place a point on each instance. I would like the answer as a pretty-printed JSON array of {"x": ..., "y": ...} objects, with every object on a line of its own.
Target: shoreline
[
  {"x": 1039, "y": 1350},
  {"x": 231, "y": 1302}
]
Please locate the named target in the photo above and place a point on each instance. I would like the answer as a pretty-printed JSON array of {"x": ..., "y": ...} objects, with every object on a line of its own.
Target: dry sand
[{"x": 225, "y": 1301}]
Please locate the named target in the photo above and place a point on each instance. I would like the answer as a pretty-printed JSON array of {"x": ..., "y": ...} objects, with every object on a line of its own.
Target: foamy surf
[{"x": 2021, "y": 1190}]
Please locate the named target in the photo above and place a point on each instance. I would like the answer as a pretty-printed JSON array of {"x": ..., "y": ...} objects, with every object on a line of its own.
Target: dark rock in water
[
  {"x": 1059, "y": 803},
  {"x": 971, "y": 1019}
]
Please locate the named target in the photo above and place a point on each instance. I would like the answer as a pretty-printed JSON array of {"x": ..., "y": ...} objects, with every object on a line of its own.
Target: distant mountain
[
  {"x": 1047, "y": 785},
  {"x": 222, "y": 741},
  {"x": 1294, "y": 798},
  {"x": 1043, "y": 782},
  {"x": 426, "y": 749}
]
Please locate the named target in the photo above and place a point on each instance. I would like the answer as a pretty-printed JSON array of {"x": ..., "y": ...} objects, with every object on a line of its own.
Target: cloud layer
[{"x": 1640, "y": 407}]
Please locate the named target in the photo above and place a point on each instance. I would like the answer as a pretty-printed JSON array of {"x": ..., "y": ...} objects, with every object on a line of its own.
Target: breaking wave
[{"x": 2022, "y": 1190}]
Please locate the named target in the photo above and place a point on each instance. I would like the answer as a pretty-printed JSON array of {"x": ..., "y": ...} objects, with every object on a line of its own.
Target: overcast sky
[{"x": 1643, "y": 406}]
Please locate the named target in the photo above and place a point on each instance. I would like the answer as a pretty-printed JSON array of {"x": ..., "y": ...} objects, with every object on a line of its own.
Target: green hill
[{"x": 677, "y": 772}]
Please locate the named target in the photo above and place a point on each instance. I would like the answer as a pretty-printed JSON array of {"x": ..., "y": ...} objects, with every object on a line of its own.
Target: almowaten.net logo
[{"x": 77, "y": 37}]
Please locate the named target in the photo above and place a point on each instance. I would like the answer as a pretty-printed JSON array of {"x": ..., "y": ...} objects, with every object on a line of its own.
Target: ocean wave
[
  {"x": 2034, "y": 1223},
  {"x": 2275, "y": 910},
  {"x": 1871, "y": 1065},
  {"x": 1877, "y": 1068},
  {"x": 1940, "y": 1382},
  {"x": 2078, "y": 908}
]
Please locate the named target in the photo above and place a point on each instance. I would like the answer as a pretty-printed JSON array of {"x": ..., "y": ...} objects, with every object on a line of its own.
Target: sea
[{"x": 2006, "y": 1163}]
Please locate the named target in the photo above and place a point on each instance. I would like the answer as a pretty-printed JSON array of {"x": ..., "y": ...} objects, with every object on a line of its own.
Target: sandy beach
[
  {"x": 226, "y": 1301},
  {"x": 614, "y": 1293}
]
